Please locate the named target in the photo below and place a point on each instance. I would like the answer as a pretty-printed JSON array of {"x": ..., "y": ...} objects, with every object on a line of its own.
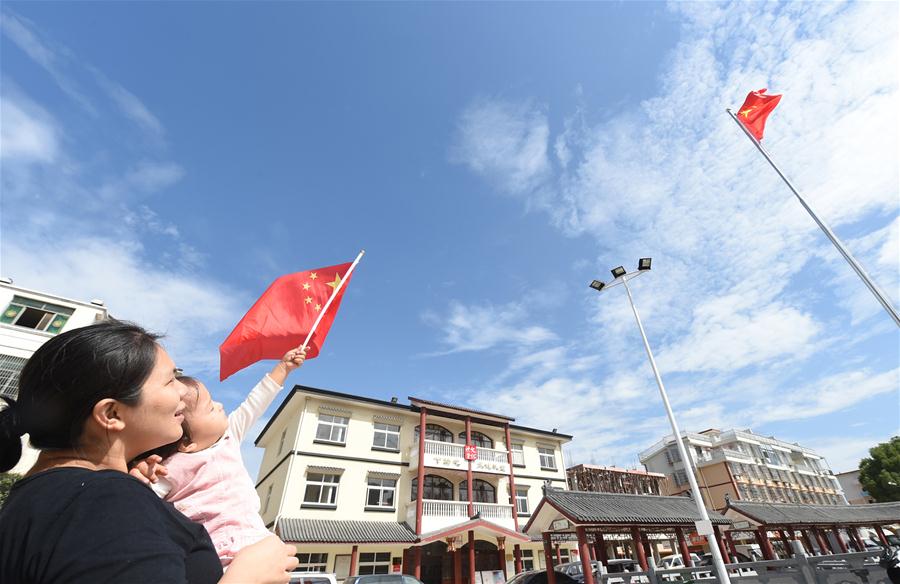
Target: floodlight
[
  {"x": 618, "y": 272},
  {"x": 644, "y": 263},
  {"x": 597, "y": 285}
]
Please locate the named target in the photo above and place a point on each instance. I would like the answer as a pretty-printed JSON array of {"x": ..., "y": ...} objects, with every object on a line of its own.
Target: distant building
[
  {"x": 743, "y": 466},
  {"x": 853, "y": 490},
  {"x": 29, "y": 319},
  {"x": 609, "y": 479}
]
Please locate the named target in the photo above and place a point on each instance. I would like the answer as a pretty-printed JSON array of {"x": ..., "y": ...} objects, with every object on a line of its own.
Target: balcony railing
[
  {"x": 452, "y": 455},
  {"x": 440, "y": 514},
  {"x": 518, "y": 458}
]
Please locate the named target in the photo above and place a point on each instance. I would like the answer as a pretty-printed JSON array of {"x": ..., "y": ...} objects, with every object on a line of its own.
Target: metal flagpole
[
  {"x": 704, "y": 526},
  {"x": 873, "y": 288},
  {"x": 331, "y": 299}
]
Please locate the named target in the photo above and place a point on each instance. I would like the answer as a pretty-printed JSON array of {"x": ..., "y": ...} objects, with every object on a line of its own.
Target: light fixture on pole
[{"x": 704, "y": 526}]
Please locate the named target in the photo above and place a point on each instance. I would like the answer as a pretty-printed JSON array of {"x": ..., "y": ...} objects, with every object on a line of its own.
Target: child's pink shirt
[{"x": 212, "y": 486}]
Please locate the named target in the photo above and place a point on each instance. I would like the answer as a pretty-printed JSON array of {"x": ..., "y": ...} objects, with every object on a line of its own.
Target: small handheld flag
[
  {"x": 755, "y": 110},
  {"x": 296, "y": 310}
]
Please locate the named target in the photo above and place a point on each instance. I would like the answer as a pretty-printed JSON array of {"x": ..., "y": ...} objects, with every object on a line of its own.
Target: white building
[
  {"x": 742, "y": 466},
  {"x": 853, "y": 490},
  {"x": 28, "y": 320},
  {"x": 341, "y": 473}
]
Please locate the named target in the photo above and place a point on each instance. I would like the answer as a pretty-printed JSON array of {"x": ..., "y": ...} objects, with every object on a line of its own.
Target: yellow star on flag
[
  {"x": 318, "y": 307},
  {"x": 306, "y": 285},
  {"x": 308, "y": 300},
  {"x": 336, "y": 283},
  {"x": 313, "y": 276},
  {"x": 747, "y": 111}
]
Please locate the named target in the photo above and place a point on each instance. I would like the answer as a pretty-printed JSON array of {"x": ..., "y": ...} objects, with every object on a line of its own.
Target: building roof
[
  {"x": 427, "y": 402},
  {"x": 615, "y": 469},
  {"x": 333, "y": 531},
  {"x": 798, "y": 514},
  {"x": 584, "y": 508}
]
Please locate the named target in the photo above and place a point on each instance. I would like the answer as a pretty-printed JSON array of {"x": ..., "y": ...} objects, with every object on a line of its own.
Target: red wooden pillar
[
  {"x": 683, "y": 548},
  {"x": 501, "y": 555},
  {"x": 471, "y": 550},
  {"x": 354, "y": 560},
  {"x": 512, "y": 479},
  {"x": 820, "y": 540},
  {"x": 840, "y": 540},
  {"x": 786, "y": 543},
  {"x": 558, "y": 556},
  {"x": 417, "y": 562},
  {"x": 881, "y": 537},
  {"x": 548, "y": 559},
  {"x": 762, "y": 538},
  {"x": 600, "y": 549},
  {"x": 457, "y": 562},
  {"x": 585, "y": 554},
  {"x": 639, "y": 549},
  {"x": 717, "y": 533},
  {"x": 420, "y": 475},
  {"x": 860, "y": 546},
  {"x": 470, "y": 488},
  {"x": 733, "y": 548},
  {"x": 804, "y": 533},
  {"x": 517, "y": 555}
]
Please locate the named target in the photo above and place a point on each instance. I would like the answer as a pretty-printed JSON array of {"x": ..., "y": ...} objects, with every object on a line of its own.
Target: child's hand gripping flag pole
[{"x": 295, "y": 311}]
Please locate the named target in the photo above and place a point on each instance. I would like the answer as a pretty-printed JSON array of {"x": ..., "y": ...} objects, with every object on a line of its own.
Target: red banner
[{"x": 471, "y": 452}]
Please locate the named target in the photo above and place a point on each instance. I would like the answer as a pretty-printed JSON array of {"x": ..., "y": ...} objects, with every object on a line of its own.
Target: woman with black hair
[{"x": 91, "y": 400}]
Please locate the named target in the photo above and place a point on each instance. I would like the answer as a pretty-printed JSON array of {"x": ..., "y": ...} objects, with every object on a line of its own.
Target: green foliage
[
  {"x": 6, "y": 482},
  {"x": 879, "y": 474}
]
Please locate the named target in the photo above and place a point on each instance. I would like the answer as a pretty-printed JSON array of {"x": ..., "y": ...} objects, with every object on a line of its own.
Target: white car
[
  {"x": 312, "y": 578},
  {"x": 675, "y": 561}
]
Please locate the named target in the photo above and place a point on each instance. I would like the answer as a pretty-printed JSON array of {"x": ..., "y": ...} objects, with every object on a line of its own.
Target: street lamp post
[{"x": 704, "y": 526}]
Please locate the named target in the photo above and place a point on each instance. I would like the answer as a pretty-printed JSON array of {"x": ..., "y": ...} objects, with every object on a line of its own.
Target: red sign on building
[{"x": 470, "y": 453}]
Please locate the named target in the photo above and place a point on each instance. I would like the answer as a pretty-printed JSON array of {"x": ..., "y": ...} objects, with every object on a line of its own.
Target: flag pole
[
  {"x": 331, "y": 299},
  {"x": 867, "y": 280}
]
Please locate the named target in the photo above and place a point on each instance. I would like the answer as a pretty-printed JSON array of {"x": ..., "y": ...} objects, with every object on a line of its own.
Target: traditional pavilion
[
  {"x": 591, "y": 516},
  {"x": 812, "y": 522}
]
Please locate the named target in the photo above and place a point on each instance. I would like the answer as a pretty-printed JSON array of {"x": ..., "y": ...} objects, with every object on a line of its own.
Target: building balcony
[
  {"x": 450, "y": 455},
  {"x": 441, "y": 514}
]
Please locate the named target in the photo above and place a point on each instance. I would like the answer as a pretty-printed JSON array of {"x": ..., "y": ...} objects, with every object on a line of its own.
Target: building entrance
[{"x": 437, "y": 562}]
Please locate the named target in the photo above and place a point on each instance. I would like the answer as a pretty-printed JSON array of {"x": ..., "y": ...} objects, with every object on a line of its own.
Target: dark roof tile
[
  {"x": 590, "y": 507},
  {"x": 799, "y": 514},
  {"x": 333, "y": 531}
]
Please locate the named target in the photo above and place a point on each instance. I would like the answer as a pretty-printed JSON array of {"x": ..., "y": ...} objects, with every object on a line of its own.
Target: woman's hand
[{"x": 269, "y": 561}]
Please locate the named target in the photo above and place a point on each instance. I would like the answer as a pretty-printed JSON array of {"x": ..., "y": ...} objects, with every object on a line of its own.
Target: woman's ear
[{"x": 107, "y": 415}]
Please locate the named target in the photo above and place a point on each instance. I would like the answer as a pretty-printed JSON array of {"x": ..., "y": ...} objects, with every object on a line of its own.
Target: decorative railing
[
  {"x": 518, "y": 458},
  {"x": 452, "y": 455},
  {"x": 444, "y": 448},
  {"x": 493, "y": 511}
]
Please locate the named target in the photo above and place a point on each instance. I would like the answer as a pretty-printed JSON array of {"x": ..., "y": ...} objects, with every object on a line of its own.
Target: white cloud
[
  {"x": 476, "y": 328},
  {"x": 27, "y": 132},
  {"x": 130, "y": 105},
  {"x": 843, "y": 453}
]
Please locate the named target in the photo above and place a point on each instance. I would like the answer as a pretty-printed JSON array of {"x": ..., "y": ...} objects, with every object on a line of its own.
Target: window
[
  {"x": 528, "y": 559},
  {"x": 387, "y": 437},
  {"x": 312, "y": 563},
  {"x": 478, "y": 439},
  {"x": 380, "y": 494},
  {"x": 281, "y": 442},
  {"x": 374, "y": 563},
  {"x": 9, "y": 375},
  {"x": 672, "y": 455},
  {"x": 435, "y": 432},
  {"x": 548, "y": 459},
  {"x": 564, "y": 554},
  {"x": 332, "y": 429},
  {"x": 36, "y": 315},
  {"x": 482, "y": 493},
  {"x": 518, "y": 454},
  {"x": 268, "y": 498},
  {"x": 680, "y": 477},
  {"x": 436, "y": 488},
  {"x": 522, "y": 501},
  {"x": 321, "y": 489}
]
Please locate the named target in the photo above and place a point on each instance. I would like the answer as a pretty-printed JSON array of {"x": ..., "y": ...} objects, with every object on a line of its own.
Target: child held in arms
[{"x": 203, "y": 473}]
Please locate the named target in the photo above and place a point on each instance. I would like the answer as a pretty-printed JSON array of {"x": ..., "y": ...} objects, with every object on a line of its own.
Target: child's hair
[{"x": 168, "y": 450}]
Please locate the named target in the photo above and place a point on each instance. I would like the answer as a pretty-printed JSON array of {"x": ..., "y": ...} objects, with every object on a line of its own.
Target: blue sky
[{"x": 173, "y": 159}]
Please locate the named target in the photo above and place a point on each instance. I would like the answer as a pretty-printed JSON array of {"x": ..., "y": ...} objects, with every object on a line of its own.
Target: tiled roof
[
  {"x": 428, "y": 402},
  {"x": 589, "y": 507},
  {"x": 334, "y": 531},
  {"x": 797, "y": 514}
]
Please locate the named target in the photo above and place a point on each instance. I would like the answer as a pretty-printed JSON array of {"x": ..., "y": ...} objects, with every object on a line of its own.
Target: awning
[{"x": 483, "y": 529}]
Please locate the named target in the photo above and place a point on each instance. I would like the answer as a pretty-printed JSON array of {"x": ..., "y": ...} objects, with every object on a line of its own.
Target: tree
[
  {"x": 6, "y": 482},
  {"x": 879, "y": 474}
]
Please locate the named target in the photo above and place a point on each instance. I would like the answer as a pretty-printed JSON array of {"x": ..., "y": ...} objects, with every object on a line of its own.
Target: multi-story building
[
  {"x": 853, "y": 490},
  {"x": 360, "y": 488},
  {"x": 610, "y": 479},
  {"x": 741, "y": 465},
  {"x": 28, "y": 320}
]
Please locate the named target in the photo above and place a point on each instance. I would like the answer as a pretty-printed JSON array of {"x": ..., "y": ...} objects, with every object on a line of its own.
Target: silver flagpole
[{"x": 873, "y": 288}]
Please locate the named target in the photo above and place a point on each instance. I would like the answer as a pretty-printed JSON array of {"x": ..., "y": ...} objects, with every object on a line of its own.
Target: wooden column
[
  {"x": 548, "y": 559},
  {"x": 584, "y": 552},
  {"x": 457, "y": 562},
  {"x": 512, "y": 479},
  {"x": 840, "y": 540},
  {"x": 471, "y": 548},
  {"x": 860, "y": 545},
  {"x": 558, "y": 555},
  {"x": 354, "y": 560},
  {"x": 733, "y": 548},
  {"x": 469, "y": 480},
  {"x": 683, "y": 547},
  {"x": 804, "y": 534},
  {"x": 762, "y": 538},
  {"x": 717, "y": 533},
  {"x": 639, "y": 549},
  {"x": 501, "y": 555},
  {"x": 824, "y": 548},
  {"x": 417, "y": 562},
  {"x": 517, "y": 555},
  {"x": 600, "y": 549},
  {"x": 420, "y": 475},
  {"x": 786, "y": 543},
  {"x": 881, "y": 537}
]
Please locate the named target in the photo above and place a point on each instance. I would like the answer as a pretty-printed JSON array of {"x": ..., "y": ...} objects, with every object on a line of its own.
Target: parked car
[
  {"x": 382, "y": 579},
  {"x": 539, "y": 577},
  {"x": 312, "y": 578},
  {"x": 574, "y": 570},
  {"x": 675, "y": 561}
]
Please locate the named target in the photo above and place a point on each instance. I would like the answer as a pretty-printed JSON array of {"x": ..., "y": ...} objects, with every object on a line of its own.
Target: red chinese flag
[
  {"x": 755, "y": 110},
  {"x": 280, "y": 320}
]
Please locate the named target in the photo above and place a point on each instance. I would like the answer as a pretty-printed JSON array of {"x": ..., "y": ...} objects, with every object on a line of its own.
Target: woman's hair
[
  {"x": 171, "y": 448},
  {"x": 66, "y": 377}
]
